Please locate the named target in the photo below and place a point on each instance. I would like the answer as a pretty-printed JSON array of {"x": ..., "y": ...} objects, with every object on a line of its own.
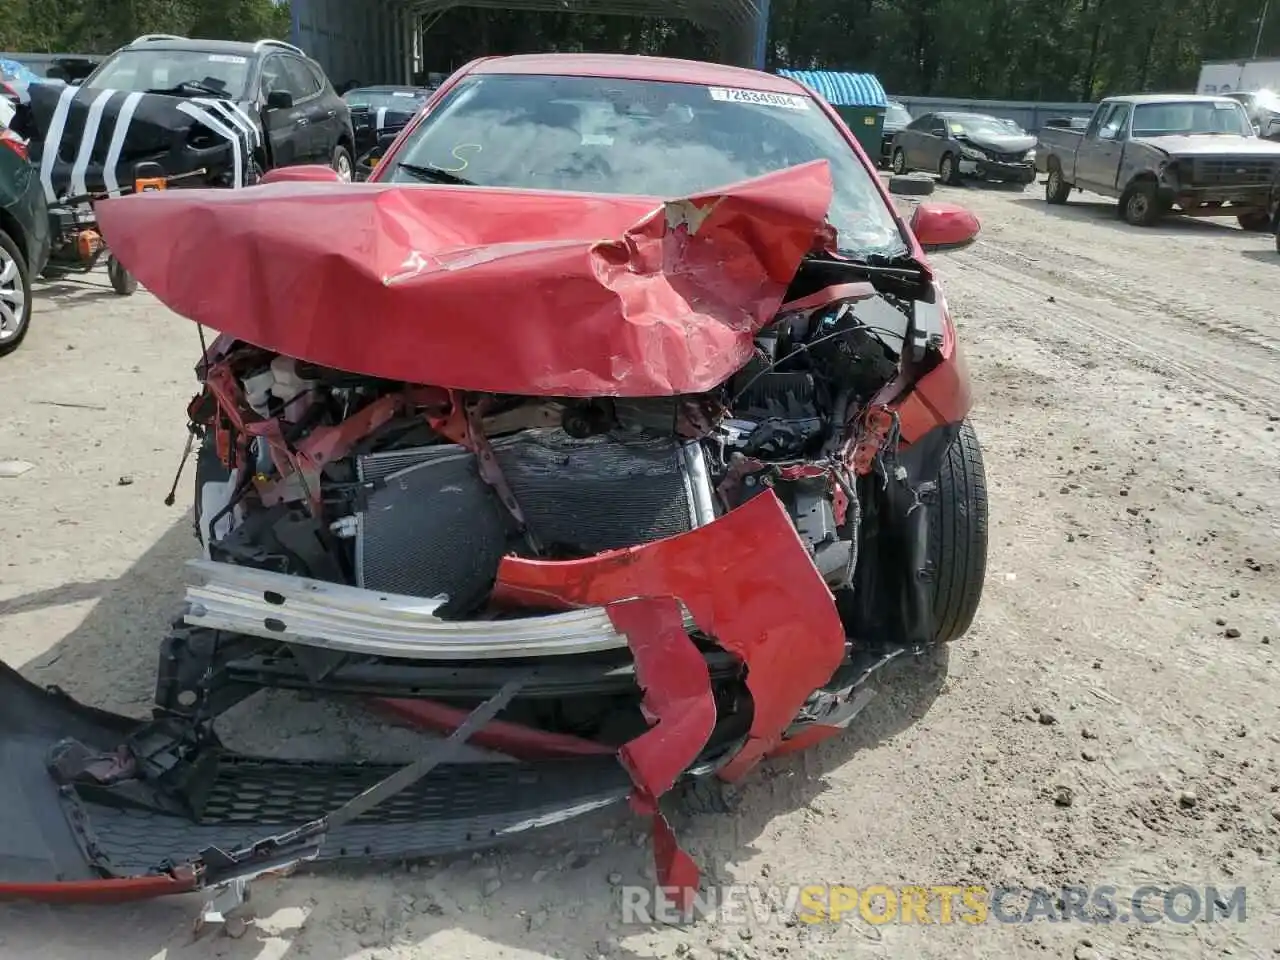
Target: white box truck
[{"x": 1235, "y": 76}]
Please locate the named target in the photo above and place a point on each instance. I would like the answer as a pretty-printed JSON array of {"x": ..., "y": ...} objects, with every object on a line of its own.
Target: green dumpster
[{"x": 857, "y": 97}]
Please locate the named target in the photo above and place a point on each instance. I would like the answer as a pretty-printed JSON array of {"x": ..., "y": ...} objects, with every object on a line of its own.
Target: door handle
[
  {"x": 333, "y": 113},
  {"x": 301, "y": 121}
]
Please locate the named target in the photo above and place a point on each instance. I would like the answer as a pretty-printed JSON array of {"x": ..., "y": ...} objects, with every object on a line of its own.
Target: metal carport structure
[{"x": 381, "y": 41}]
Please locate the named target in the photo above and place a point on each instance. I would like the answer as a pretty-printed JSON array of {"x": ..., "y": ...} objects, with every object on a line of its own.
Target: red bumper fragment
[
  {"x": 117, "y": 890},
  {"x": 777, "y": 616}
]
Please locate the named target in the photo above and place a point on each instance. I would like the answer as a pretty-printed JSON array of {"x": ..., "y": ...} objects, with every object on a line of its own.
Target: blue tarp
[
  {"x": 841, "y": 89},
  {"x": 14, "y": 71}
]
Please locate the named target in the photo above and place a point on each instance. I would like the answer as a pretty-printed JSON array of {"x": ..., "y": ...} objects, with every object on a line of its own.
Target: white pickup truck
[{"x": 1156, "y": 153}]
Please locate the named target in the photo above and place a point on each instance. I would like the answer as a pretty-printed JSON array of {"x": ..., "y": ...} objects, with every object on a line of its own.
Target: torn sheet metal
[
  {"x": 681, "y": 711},
  {"x": 775, "y": 614},
  {"x": 777, "y": 617},
  {"x": 88, "y": 140},
  {"x": 483, "y": 289}
]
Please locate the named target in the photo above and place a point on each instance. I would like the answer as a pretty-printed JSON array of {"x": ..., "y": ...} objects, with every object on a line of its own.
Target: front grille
[
  {"x": 1018, "y": 157},
  {"x": 1233, "y": 171},
  {"x": 431, "y": 525}
]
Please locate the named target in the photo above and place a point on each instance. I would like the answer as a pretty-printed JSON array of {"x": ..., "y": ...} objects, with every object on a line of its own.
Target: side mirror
[
  {"x": 304, "y": 173},
  {"x": 944, "y": 226},
  {"x": 279, "y": 100}
]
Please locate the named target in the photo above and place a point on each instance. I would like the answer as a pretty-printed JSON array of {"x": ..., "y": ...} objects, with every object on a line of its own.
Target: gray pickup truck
[{"x": 1159, "y": 152}]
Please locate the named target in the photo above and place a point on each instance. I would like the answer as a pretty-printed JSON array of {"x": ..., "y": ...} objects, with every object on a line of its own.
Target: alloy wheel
[{"x": 13, "y": 297}]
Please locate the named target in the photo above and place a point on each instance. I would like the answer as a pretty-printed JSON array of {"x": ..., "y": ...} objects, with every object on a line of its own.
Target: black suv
[{"x": 296, "y": 115}]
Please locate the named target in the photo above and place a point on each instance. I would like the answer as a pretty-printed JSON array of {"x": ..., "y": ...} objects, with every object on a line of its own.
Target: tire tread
[{"x": 958, "y": 534}]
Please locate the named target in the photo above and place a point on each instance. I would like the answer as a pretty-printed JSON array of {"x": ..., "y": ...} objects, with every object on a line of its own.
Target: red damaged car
[{"x": 617, "y": 425}]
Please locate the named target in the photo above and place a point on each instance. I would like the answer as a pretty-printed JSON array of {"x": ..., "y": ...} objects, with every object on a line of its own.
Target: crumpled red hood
[{"x": 499, "y": 290}]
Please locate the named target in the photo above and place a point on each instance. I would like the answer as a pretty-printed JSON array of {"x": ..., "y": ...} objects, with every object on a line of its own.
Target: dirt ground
[{"x": 1110, "y": 719}]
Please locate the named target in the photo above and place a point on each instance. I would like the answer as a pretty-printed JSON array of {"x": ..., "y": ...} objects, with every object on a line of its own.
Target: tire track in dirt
[
  {"x": 1188, "y": 302},
  {"x": 1151, "y": 341}
]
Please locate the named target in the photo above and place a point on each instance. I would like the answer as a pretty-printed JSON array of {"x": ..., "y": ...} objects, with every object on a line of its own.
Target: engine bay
[{"x": 420, "y": 491}]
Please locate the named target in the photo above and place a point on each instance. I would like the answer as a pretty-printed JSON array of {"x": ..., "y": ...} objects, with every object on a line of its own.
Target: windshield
[
  {"x": 896, "y": 113},
  {"x": 142, "y": 70},
  {"x": 405, "y": 101},
  {"x": 972, "y": 124},
  {"x": 645, "y": 138},
  {"x": 1191, "y": 117}
]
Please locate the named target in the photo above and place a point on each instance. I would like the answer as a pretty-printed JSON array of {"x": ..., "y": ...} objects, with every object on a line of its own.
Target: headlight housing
[
  {"x": 1029, "y": 156},
  {"x": 972, "y": 153}
]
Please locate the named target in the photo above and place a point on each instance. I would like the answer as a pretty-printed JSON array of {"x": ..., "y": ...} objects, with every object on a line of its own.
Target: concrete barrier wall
[{"x": 1030, "y": 114}]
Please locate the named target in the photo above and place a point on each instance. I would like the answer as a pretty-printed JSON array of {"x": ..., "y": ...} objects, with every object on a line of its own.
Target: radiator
[{"x": 432, "y": 526}]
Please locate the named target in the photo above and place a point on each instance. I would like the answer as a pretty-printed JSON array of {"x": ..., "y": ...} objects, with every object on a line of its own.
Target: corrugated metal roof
[{"x": 841, "y": 89}]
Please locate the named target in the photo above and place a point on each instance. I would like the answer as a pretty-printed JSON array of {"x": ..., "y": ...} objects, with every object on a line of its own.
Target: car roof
[
  {"x": 389, "y": 88},
  {"x": 627, "y": 67},
  {"x": 1166, "y": 98},
  {"x": 241, "y": 47}
]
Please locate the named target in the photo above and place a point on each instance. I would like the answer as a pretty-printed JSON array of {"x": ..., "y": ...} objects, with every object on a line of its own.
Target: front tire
[
  {"x": 958, "y": 537},
  {"x": 15, "y": 296},
  {"x": 948, "y": 172},
  {"x": 899, "y": 164},
  {"x": 1140, "y": 205}
]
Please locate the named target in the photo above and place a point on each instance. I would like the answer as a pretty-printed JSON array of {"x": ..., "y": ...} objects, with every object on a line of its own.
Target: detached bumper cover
[
  {"x": 134, "y": 840},
  {"x": 139, "y": 820}
]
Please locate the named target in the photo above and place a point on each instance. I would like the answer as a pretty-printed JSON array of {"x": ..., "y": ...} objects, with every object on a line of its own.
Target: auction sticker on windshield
[
  {"x": 737, "y": 95},
  {"x": 226, "y": 58}
]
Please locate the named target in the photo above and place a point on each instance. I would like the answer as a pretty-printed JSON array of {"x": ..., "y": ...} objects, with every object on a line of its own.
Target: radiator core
[{"x": 431, "y": 525}]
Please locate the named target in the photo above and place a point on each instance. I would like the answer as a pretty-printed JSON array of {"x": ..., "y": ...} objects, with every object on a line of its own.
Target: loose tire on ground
[
  {"x": 905, "y": 186},
  {"x": 15, "y": 295},
  {"x": 958, "y": 537},
  {"x": 1255, "y": 221}
]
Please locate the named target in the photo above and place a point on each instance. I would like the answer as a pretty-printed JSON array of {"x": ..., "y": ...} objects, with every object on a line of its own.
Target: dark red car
[{"x": 621, "y": 401}]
